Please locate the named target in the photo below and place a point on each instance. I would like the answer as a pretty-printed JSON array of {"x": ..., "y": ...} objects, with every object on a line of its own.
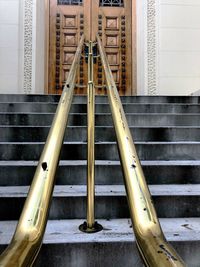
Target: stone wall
[{"x": 9, "y": 46}]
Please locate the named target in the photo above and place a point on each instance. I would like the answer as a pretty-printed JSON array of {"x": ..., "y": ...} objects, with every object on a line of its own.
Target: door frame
[
  {"x": 134, "y": 46},
  {"x": 47, "y": 25}
]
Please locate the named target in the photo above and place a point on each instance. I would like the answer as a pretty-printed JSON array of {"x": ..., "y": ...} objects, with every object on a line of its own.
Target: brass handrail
[
  {"x": 90, "y": 140},
  {"x": 27, "y": 240},
  {"x": 151, "y": 242},
  {"x": 90, "y": 226}
]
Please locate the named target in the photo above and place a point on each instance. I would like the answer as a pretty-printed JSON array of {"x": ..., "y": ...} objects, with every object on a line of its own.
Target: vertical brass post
[
  {"x": 90, "y": 138},
  {"x": 151, "y": 242},
  {"x": 90, "y": 226}
]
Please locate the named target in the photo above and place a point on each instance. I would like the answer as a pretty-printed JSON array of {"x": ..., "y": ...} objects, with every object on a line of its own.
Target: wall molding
[
  {"x": 47, "y": 24},
  {"x": 141, "y": 17},
  {"x": 28, "y": 50},
  {"x": 147, "y": 43},
  {"x": 151, "y": 47}
]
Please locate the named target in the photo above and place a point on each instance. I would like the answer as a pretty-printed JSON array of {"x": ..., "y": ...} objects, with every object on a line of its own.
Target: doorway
[{"x": 113, "y": 20}]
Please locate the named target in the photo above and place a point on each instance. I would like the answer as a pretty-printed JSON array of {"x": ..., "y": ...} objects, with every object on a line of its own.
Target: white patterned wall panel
[
  {"x": 28, "y": 37},
  {"x": 151, "y": 47}
]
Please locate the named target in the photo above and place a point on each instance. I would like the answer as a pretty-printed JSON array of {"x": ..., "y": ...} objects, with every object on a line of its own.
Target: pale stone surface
[{"x": 178, "y": 47}]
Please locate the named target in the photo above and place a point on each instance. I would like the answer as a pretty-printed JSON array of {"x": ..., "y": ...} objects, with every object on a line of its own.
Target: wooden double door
[{"x": 113, "y": 20}]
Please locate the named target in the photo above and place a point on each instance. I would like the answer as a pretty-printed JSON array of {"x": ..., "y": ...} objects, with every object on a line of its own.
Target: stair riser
[
  {"x": 101, "y": 120},
  {"x": 108, "y": 151},
  {"x": 107, "y": 207},
  {"x": 100, "y": 108},
  {"x": 102, "y": 99},
  {"x": 75, "y": 134},
  {"x": 107, "y": 254},
  {"x": 69, "y": 175},
  {"x": 104, "y": 253},
  {"x": 90, "y": 255}
]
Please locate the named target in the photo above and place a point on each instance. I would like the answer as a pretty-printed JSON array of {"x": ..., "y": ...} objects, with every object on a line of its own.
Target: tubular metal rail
[
  {"x": 90, "y": 226},
  {"x": 26, "y": 242},
  {"x": 151, "y": 242},
  {"x": 90, "y": 140}
]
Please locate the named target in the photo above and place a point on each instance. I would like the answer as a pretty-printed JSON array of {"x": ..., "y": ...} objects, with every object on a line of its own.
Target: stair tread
[
  {"x": 103, "y": 114},
  {"x": 107, "y": 143},
  {"x": 111, "y": 142},
  {"x": 105, "y": 162},
  {"x": 106, "y": 126},
  {"x": 105, "y": 190},
  {"x": 99, "y": 103},
  {"x": 115, "y": 230}
]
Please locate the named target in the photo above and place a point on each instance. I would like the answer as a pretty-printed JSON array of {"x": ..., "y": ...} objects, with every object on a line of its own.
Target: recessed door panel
[
  {"x": 114, "y": 28},
  {"x": 66, "y": 28}
]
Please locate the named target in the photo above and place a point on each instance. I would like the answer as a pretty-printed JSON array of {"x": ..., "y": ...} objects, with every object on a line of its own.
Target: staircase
[{"x": 166, "y": 131}]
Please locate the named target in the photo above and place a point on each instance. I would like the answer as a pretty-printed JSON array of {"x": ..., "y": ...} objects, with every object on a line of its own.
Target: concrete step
[
  {"x": 45, "y": 107},
  {"x": 18, "y": 173},
  {"x": 144, "y": 99},
  {"x": 100, "y": 99},
  {"x": 103, "y": 150},
  {"x": 102, "y": 133},
  {"x": 77, "y": 119},
  {"x": 63, "y": 242},
  {"x": 69, "y": 202}
]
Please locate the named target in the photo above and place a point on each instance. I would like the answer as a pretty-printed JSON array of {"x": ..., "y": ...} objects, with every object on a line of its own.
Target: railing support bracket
[{"x": 96, "y": 227}]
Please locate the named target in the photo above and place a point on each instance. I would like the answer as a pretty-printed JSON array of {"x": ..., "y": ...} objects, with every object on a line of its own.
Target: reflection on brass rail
[
  {"x": 151, "y": 242},
  {"x": 90, "y": 226},
  {"x": 27, "y": 239}
]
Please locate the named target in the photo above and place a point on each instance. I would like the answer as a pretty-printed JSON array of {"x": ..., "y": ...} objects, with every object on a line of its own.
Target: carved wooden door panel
[
  {"x": 112, "y": 20},
  {"x": 114, "y": 25},
  {"x": 66, "y": 27}
]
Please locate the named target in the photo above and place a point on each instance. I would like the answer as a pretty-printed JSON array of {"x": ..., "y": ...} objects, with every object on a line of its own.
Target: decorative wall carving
[
  {"x": 70, "y": 2},
  {"x": 112, "y": 3},
  {"x": 58, "y": 34},
  {"x": 151, "y": 47},
  {"x": 28, "y": 32}
]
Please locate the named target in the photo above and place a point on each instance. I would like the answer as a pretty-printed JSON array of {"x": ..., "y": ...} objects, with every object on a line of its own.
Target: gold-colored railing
[
  {"x": 151, "y": 242},
  {"x": 90, "y": 140},
  {"x": 90, "y": 226},
  {"x": 27, "y": 239}
]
